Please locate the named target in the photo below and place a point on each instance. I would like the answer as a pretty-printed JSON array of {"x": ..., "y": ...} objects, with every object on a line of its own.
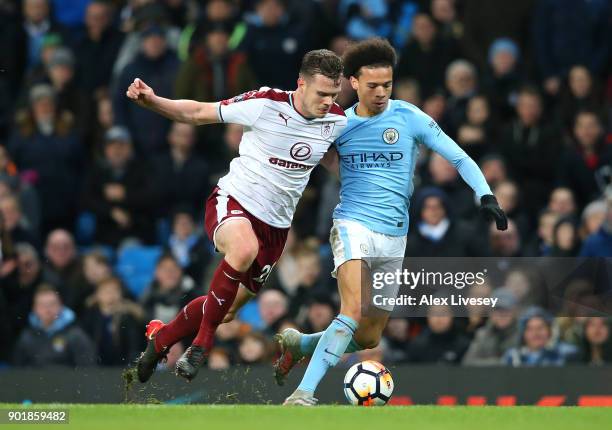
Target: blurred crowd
[{"x": 101, "y": 201}]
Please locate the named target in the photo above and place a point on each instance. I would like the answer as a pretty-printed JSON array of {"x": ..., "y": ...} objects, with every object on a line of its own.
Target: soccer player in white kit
[{"x": 248, "y": 214}]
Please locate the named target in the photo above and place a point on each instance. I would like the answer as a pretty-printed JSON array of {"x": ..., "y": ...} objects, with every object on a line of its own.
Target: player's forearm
[
  {"x": 467, "y": 168},
  {"x": 471, "y": 174},
  {"x": 188, "y": 111}
]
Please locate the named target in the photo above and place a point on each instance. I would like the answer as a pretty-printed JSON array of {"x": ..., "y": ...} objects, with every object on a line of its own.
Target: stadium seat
[
  {"x": 85, "y": 229},
  {"x": 136, "y": 266}
]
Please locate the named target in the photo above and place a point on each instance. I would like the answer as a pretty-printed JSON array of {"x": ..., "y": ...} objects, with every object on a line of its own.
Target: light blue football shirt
[{"x": 377, "y": 160}]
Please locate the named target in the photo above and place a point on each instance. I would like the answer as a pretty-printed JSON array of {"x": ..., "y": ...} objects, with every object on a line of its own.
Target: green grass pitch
[{"x": 253, "y": 417}]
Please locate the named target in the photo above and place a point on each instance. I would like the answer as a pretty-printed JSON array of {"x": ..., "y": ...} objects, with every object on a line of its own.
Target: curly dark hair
[
  {"x": 374, "y": 52},
  {"x": 321, "y": 61}
]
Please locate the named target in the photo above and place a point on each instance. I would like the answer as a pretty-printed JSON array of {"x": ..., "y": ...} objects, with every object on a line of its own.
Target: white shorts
[{"x": 351, "y": 240}]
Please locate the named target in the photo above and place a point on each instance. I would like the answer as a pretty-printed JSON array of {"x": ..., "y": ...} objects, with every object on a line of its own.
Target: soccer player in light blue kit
[{"x": 377, "y": 154}]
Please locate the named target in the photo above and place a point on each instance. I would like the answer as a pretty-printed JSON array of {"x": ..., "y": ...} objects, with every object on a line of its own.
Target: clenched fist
[{"x": 140, "y": 92}]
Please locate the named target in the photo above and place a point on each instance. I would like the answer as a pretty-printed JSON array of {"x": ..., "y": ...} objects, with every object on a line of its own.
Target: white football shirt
[{"x": 278, "y": 150}]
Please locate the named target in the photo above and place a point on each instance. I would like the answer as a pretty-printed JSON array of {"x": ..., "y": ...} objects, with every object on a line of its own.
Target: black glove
[{"x": 491, "y": 210}]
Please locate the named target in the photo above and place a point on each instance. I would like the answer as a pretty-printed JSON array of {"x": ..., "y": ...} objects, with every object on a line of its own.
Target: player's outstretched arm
[
  {"x": 434, "y": 138},
  {"x": 188, "y": 111}
]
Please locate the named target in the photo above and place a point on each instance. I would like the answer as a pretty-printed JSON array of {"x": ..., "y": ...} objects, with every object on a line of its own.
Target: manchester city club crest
[
  {"x": 390, "y": 136},
  {"x": 327, "y": 129}
]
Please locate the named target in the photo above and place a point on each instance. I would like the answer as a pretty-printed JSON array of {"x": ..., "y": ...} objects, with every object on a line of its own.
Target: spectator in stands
[
  {"x": 15, "y": 223},
  {"x": 510, "y": 199},
  {"x": 52, "y": 336},
  {"x": 599, "y": 244},
  {"x": 40, "y": 73},
  {"x": 97, "y": 51},
  {"x": 218, "y": 359},
  {"x": 273, "y": 307},
  {"x": 228, "y": 335},
  {"x": 378, "y": 18},
  {"x": 526, "y": 286},
  {"x": 319, "y": 315},
  {"x": 476, "y": 316},
  {"x": 157, "y": 65},
  {"x": 96, "y": 269},
  {"x": 214, "y": 72},
  {"x": 191, "y": 249},
  {"x": 440, "y": 341},
  {"x": 494, "y": 169},
  {"x": 27, "y": 199},
  {"x": 580, "y": 93},
  {"x": 562, "y": 202},
  {"x": 69, "y": 96},
  {"x": 426, "y": 55},
  {"x": 169, "y": 291},
  {"x": 435, "y": 106},
  {"x": 119, "y": 192},
  {"x": 114, "y": 323},
  {"x": 19, "y": 291},
  {"x": 270, "y": 39},
  {"x": 499, "y": 334},
  {"x": 135, "y": 21},
  {"x": 581, "y": 164},
  {"x": 253, "y": 349},
  {"x": 46, "y": 150},
  {"x": 477, "y": 133},
  {"x": 485, "y": 21},
  {"x": 567, "y": 32},
  {"x": 566, "y": 242},
  {"x": 530, "y": 148},
  {"x": 505, "y": 243},
  {"x": 283, "y": 277},
  {"x": 597, "y": 342},
  {"x": 105, "y": 119},
  {"x": 63, "y": 260},
  {"x": 593, "y": 216},
  {"x": 216, "y": 12},
  {"x": 462, "y": 84},
  {"x": 537, "y": 346},
  {"x": 181, "y": 175},
  {"x": 299, "y": 276},
  {"x": 503, "y": 79},
  {"x": 36, "y": 23},
  {"x": 398, "y": 340},
  {"x": 444, "y": 13},
  {"x": 437, "y": 232}
]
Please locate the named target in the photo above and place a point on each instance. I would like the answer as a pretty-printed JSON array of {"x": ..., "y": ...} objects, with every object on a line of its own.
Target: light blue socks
[
  {"x": 309, "y": 343},
  {"x": 330, "y": 347}
]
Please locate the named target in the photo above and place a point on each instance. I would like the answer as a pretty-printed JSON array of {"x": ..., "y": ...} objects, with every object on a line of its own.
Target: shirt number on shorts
[{"x": 265, "y": 272}]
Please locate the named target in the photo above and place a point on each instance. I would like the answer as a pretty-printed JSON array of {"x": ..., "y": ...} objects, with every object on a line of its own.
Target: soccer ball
[{"x": 368, "y": 383}]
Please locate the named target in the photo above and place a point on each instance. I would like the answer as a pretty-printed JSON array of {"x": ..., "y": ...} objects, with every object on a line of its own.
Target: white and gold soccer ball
[{"x": 368, "y": 383}]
